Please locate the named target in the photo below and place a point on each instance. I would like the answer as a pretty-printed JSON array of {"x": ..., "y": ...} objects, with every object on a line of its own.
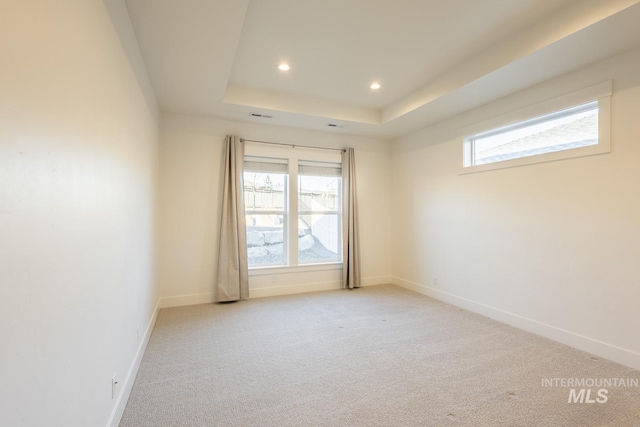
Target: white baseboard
[
  {"x": 608, "y": 351},
  {"x": 272, "y": 291},
  {"x": 294, "y": 289},
  {"x": 121, "y": 401},
  {"x": 180, "y": 300},
  {"x": 313, "y": 287},
  {"x": 380, "y": 280}
]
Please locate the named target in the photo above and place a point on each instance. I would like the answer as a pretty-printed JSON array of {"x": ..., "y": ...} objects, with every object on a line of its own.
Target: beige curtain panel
[
  {"x": 232, "y": 282},
  {"x": 350, "y": 234}
]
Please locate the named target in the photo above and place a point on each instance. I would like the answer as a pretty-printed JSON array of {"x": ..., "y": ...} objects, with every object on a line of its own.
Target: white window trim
[
  {"x": 290, "y": 269},
  {"x": 601, "y": 92},
  {"x": 291, "y": 251},
  {"x": 333, "y": 212}
]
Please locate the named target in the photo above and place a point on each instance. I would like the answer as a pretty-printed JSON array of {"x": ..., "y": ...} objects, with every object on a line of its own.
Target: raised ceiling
[{"x": 433, "y": 58}]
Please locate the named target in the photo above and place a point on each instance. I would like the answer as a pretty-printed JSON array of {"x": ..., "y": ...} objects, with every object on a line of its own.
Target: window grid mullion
[
  {"x": 293, "y": 212},
  {"x": 318, "y": 213},
  {"x": 272, "y": 212}
]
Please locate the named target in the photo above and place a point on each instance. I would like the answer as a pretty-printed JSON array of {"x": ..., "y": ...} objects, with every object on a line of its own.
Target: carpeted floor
[{"x": 376, "y": 356}]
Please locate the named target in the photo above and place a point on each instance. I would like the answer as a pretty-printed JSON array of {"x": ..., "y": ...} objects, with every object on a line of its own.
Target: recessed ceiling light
[
  {"x": 283, "y": 67},
  {"x": 375, "y": 86}
]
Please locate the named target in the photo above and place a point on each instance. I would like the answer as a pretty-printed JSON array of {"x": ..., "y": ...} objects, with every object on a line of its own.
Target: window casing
[
  {"x": 566, "y": 129},
  {"x": 573, "y": 125},
  {"x": 293, "y": 207},
  {"x": 319, "y": 212},
  {"x": 266, "y": 201}
]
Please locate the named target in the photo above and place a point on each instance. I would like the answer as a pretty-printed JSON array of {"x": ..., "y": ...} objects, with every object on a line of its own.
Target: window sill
[
  {"x": 603, "y": 147},
  {"x": 307, "y": 268},
  {"x": 600, "y": 92}
]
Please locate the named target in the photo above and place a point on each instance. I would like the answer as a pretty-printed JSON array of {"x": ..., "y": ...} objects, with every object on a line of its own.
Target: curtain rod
[{"x": 294, "y": 145}]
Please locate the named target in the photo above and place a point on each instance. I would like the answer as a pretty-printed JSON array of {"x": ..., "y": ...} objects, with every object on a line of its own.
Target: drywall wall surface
[
  {"x": 78, "y": 139},
  {"x": 189, "y": 206},
  {"x": 554, "y": 246}
]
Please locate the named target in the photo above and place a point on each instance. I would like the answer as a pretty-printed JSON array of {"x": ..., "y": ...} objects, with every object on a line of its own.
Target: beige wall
[
  {"x": 78, "y": 134},
  {"x": 551, "y": 247},
  {"x": 189, "y": 207}
]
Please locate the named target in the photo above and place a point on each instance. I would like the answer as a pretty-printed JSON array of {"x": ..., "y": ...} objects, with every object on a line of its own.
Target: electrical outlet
[
  {"x": 274, "y": 279},
  {"x": 435, "y": 281},
  {"x": 114, "y": 385}
]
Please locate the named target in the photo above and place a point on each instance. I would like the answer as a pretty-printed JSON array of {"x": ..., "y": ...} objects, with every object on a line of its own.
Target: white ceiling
[{"x": 433, "y": 58}]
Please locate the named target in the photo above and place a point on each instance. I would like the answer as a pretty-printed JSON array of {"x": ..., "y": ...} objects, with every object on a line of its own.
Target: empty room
[{"x": 319, "y": 213}]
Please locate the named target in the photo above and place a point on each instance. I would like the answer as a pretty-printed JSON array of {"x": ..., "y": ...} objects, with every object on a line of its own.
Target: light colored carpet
[{"x": 375, "y": 356}]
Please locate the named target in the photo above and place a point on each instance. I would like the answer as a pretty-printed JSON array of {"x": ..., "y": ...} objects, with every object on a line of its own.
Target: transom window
[
  {"x": 572, "y": 125},
  {"x": 566, "y": 129}
]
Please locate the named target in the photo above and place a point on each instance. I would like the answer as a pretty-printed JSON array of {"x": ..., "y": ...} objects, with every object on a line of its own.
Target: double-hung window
[
  {"x": 293, "y": 204},
  {"x": 319, "y": 212},
  {"x": 266, "y": 201}
]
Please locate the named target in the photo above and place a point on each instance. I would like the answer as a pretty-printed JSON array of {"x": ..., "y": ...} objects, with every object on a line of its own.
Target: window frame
[
  {"x": 284, "y": 213},
  {"x": 337, "y": 213},
  {"x": 601, "y": 93},
  {"x": 293, "y": 156}
]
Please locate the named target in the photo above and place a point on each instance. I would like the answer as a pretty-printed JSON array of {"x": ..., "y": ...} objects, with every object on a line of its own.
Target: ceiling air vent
[{"x": 264, "y": 116}]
